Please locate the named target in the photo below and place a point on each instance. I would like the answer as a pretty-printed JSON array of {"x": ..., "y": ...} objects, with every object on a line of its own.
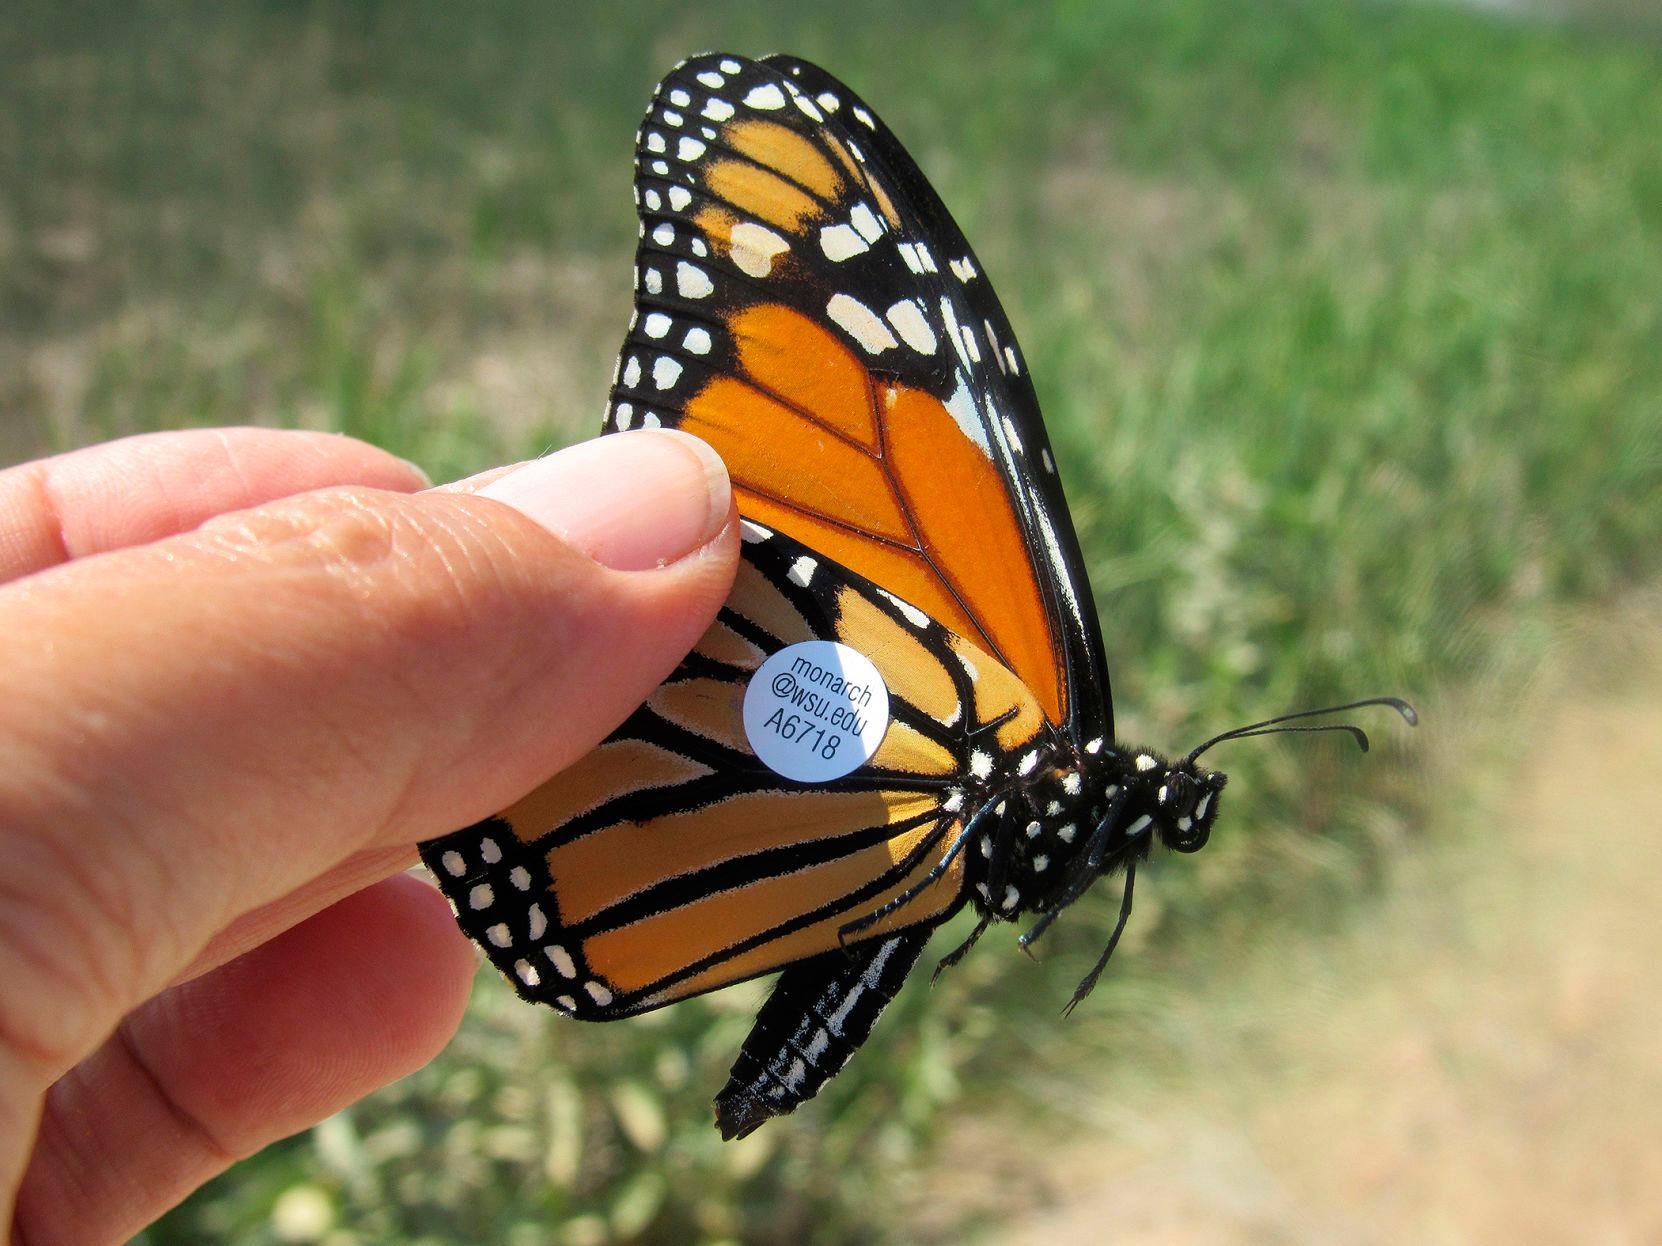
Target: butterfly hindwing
[
  {"x": 802, "y": 306},
  {"x": 672, "y": 860}
]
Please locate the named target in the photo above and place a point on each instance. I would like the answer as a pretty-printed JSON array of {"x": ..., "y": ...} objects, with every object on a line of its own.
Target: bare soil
[{"x": 1477, "y": 1057}]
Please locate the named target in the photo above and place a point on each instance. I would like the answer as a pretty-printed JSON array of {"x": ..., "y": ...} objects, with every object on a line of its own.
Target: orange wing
[
  {"x": 672, "y": 861},
  {"x": 790, "y": 315}
]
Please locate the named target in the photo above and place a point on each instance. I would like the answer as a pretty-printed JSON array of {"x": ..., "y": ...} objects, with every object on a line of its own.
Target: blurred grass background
[{"x": 1345, "y": 317}]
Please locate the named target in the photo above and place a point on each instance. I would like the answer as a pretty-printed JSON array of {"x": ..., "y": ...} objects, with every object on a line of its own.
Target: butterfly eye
[{"x": 1177, "y": 797}]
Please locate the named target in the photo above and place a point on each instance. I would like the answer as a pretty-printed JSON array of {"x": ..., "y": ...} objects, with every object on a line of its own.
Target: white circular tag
[{"x": 816, "y": 710}]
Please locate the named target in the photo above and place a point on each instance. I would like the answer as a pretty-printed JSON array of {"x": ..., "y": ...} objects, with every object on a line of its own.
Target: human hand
[{"x": 245, "y": 672}]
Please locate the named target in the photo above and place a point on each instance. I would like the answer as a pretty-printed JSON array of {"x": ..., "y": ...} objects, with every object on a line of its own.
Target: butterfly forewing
[
  {"x": 803, "y": 306},
  {"x": 672, "y": 861}
]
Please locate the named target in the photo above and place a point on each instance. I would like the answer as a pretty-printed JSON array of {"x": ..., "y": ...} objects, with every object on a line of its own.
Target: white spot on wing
[
  {"x": 692, "y": 281},
  {"x": 753, "y": 248},
  {"x": 711, "y": 79},
  {"x": 717, "y": 109},
  {"x": 697, "y": 340},
  {"x": 665, "y": 371},
  {"x": 907, "y": 318},
  {"x": 840, "y": 242},
  {"x": 865, "y": 220},
  {"x": 802, "y": 571},
  {"x": 657, "y": 324},
  {"x": 562, "y": 960},
  {"x": 663, "y": 234},
  {"x": 689, "y": 148},
  {"x": 766, "y": 96},
  {"x": 860, "y": 323},
  {"x": 598, "y": 993}
]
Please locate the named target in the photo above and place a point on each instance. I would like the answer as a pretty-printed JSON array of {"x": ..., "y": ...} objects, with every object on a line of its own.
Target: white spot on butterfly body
[
  {"x": 753, "y": 248},
  {"x": 1070, "y": 783},
  {"x": 1033, "y": 829},
  {"x": 1041, "y": 863},
  {"x": 1145, "y": 762},
  {"x": 981, "y": 764},
  {"x": 1138, "y": 827},
  {"x": 954, "y": 801},
  {"x": 860, "y": 323},
  {"x": 840, "y": 242},
  {"x": 986, "y": 851},
  {"x": 767, "y": 96},
  {"x": 692, "y": 281},
  {"x": 802, "y": 571},
  {"x": 1200, "y": 809},
  {"x": 665, "y": 371},
  {"x": 1067, "y": 832},
  {"x": 1030, "y": 760},
  {"x": 1011, "y": 897},
  {"x": 907, "y": 318}
]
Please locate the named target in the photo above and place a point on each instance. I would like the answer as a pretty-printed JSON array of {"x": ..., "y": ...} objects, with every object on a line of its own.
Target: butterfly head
[{"x": 1186, "y": 804}]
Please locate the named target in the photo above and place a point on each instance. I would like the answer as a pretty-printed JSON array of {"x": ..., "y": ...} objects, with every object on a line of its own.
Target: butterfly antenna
[{"x": 1272, "y": 726}]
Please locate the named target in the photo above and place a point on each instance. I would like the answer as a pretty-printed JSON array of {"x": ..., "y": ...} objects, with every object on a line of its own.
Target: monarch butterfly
[{"x": 903, "y": 707}]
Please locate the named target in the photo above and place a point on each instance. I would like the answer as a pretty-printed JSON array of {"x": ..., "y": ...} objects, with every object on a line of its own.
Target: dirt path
[{"x": 1476, "y": 1058}]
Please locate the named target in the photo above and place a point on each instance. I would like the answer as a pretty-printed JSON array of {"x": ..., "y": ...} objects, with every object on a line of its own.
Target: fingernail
[
  {"x": 420, "y": 471},
  {"x": 629, "y": 501}
]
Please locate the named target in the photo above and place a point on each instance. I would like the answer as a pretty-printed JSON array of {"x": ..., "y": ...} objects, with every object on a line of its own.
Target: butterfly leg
[
  {"x": 941, "y": 867},
  {"x": 1080, "y": 876},
  {"x": 1089, "y": 984},
  {"x": 958, "y": 953},
  {"x": 820, "y": 1011}
]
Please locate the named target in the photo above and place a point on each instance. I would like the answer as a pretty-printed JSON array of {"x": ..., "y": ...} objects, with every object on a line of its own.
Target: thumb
[{"x": 203, "y": 725}]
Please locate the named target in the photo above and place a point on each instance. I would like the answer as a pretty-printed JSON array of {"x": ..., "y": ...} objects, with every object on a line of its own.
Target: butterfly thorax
[{"x": 1092, "y": 815}]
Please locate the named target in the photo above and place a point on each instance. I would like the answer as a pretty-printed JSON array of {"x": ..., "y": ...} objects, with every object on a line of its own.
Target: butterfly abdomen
[{"x": 820, "y": 1012}]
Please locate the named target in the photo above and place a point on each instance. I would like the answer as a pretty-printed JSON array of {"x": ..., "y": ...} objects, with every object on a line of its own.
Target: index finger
[{"x": 141, "y": 489}]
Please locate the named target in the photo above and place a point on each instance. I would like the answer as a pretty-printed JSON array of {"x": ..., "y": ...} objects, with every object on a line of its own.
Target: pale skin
[{"x": 245, "y": 672}]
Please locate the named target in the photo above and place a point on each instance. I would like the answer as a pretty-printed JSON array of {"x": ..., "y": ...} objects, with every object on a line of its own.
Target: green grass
[{"x": 1344, "y": 316}]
